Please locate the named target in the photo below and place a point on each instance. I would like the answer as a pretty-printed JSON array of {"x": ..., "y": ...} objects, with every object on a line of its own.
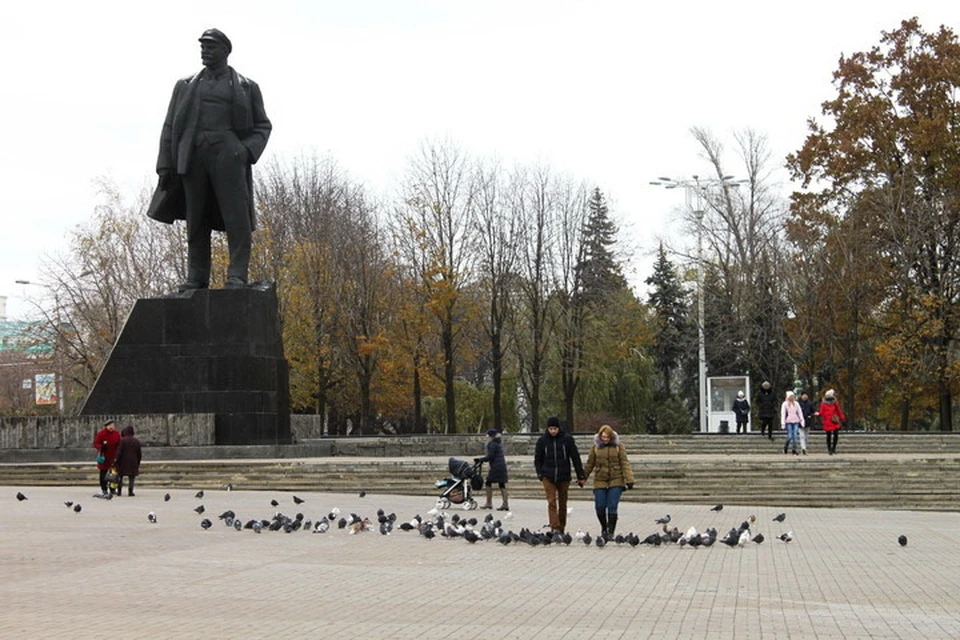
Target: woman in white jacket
[{"x": 791, "y": 419}]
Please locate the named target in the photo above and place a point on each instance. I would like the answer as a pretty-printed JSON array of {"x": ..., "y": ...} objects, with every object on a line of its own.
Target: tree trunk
[
  {"x": 449, "y": 373},
  {"x": 497, "y": 360}
]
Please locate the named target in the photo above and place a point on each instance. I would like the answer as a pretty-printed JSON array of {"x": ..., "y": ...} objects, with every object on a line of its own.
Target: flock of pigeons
[{"x": 441, "y": 523}]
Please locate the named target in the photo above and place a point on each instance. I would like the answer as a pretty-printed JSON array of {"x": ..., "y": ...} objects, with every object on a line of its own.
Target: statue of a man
[{"x": 215, "y": 130}]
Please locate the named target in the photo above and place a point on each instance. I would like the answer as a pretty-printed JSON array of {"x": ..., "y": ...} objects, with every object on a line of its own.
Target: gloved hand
[
  {"x": 476, "y": 460},
  {"x": 629, "y": 486},
  {"x": 580, "y": 482}
]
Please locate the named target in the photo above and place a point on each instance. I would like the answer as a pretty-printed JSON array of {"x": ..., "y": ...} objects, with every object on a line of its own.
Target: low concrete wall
[{"x": 76, "y": 432}]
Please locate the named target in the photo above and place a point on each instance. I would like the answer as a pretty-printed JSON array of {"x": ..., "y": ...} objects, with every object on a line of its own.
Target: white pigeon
[
  {"x": 689, "y": 535},
  {"x": 744, "y": 538}
]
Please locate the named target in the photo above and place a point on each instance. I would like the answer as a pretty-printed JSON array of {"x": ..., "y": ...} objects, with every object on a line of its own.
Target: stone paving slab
[{"x": 107, "y": 572}]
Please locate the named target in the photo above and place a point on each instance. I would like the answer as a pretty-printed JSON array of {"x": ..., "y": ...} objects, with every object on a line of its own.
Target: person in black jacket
[
  {"x": 555, "y": 450},
  {"x": 766, "y": 409},
  {"x": 497, "y": 472},
  {"x": 741, "y": 409}
]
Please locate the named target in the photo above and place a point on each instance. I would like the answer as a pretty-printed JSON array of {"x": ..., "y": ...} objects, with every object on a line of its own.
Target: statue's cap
[{"x": 217, "y": 36}]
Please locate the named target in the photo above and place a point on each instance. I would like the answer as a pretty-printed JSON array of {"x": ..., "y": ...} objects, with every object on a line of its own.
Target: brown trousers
[{"x": 556, "y": 503}]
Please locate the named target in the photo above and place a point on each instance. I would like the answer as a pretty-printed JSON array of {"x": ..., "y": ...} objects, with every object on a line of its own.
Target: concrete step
[{"x": 929, "y": 481}]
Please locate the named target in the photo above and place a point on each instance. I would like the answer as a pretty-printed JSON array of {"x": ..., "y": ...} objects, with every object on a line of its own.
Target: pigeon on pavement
[
  {"x": 902, "y": 540},
  {"x": 780, "y": 517},
  {"x": 21, "y": 497}
]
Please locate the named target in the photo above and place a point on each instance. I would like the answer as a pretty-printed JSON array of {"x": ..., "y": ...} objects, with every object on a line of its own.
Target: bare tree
[
  {"x": 439, "y": 201},
  {"x": 497, "y": 230}
]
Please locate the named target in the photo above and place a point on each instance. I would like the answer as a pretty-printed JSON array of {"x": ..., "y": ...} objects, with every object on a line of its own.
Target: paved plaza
[{"x": 107, "y": 572}]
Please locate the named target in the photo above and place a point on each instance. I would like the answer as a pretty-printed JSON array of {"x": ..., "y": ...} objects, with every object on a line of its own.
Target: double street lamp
[{"x": 696, "y": 190}]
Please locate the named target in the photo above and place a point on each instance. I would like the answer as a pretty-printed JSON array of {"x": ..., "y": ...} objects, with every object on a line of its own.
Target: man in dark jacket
[
  {"x": 555, "y": 450},
  {"x": 215, "y": 129},
  {"x": 766, "y": 409}
]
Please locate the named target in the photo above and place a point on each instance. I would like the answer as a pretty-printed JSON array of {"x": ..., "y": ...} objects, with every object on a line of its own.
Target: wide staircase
[{"x": 872, "y": 470}]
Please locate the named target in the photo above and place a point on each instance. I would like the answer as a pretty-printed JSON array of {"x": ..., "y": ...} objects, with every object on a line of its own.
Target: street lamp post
[{"x": 696, "y": 189}]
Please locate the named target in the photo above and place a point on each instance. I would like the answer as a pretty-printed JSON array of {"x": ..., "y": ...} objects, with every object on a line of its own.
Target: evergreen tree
[
  {"x": 668, "y": 300},
  {"x": 600, "y": 272}
]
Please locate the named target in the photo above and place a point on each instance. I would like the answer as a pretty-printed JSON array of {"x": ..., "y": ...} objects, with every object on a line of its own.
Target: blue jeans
[
  {"x": 792, "y": 430},
  {"x": 607, "y": 499}
]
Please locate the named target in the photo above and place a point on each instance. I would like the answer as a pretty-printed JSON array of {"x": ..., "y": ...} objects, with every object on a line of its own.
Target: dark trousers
[
  {"x": 103, "y": 480},
  {"x": 832, "y": 437},
  {"x": 218, "y": 172},
  {"x": 556, "y": 503},
  {"x": 766, "y": 426},
  {"x": 133, "y": 480},
  {"x": 741, "y": 427}
]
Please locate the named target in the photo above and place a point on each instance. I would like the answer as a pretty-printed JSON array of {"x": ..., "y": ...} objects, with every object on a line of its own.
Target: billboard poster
[{"x": 45, "y": 388}]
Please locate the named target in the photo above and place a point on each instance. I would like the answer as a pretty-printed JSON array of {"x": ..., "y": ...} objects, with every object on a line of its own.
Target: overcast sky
[{"x": 602, "y": 91}]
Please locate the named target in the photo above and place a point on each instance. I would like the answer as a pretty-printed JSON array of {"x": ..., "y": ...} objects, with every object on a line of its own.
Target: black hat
[
  {"x": 553, "y": 421},
  {"x": 217, "y": 36},
  {"x": 491, "y": 432}
]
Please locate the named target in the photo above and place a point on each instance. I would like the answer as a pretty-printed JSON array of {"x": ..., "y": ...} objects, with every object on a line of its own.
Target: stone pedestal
[{"x": 208, "y": 351}]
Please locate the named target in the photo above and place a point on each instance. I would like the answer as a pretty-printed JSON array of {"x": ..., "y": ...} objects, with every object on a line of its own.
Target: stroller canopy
[{"x": 460, "y": 469}]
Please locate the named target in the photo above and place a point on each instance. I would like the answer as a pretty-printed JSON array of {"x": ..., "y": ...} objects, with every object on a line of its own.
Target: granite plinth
[{"x": 214, "y": 351}]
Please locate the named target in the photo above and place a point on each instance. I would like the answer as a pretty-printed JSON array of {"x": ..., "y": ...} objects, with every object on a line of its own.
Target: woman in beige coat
[{"x": 612, "y": 475}]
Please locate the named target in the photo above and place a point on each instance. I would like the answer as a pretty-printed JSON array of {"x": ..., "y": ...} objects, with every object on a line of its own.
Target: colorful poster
[{"x": 45, "y": 388}]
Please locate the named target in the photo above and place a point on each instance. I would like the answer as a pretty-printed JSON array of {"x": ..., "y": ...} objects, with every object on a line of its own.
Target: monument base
[{"x": 216, "y": 351}]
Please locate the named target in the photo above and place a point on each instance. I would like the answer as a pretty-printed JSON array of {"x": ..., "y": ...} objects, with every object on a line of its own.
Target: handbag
[
  {"x": 112, "y": 476},
  {"x": 101, "y": 459},
  {"x": 835, "y": 419}
]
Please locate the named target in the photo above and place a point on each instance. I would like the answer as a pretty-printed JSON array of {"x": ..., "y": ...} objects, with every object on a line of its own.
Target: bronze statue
[{"x": 215, "y": 130}]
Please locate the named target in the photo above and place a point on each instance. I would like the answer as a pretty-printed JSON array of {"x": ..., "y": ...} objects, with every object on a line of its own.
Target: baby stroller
[{"x": 464, "y": 479}]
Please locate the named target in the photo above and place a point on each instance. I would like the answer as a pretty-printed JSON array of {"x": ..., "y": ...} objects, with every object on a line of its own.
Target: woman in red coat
[
  {"x": 128, "y": 459},
  {"x": 106, "y": 442},
  {"x": 832, "y": 418}
]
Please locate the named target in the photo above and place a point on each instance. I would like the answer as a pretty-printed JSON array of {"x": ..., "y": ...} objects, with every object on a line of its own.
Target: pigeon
[
  {"x": 297, "y": 500},
  {"x": 274, "y": 503},
  {"x": 664, "y": 520},
  {"x": 322, "y": 526},
  {"x": 166, "y": 497},
  {"x": 77, "y": 508},
  {"x": 21, "y": 497},
  {"x": 758, "y": 538},
  {"x": 227, "y": 515},
  {"x": 601, "y": 542},
  {"x": 786, "y": 537},
  {"x": 152, "y": 517},
  {"x": 341, "y": 523},
  {"x": 200, "y": 509},
  {"x": 587, "y": 539},
  {"x": 199, "y": 495},
  {"x": 744, "y": 538},
  {"x": 780, "y": 517},
  {"x": 902, "y": 540},
  {"x": 205, "y": 523},
  {"x": 237, "y": 524},
  {"x": 69, "y": 503},
  {"x": 229, "y": 486},
  {"x": 719, "y": 507},
  {"x": 257, "y": 527},
  {"x": 363, "y": 493}
]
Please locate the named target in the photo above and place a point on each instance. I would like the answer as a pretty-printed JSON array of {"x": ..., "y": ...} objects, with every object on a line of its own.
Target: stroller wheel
[
  {"x": 443, "y": 503},
  {"x": 470, "y": 504}
]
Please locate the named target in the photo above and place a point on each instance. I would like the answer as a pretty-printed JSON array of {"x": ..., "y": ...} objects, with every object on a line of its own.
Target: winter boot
[
  {"x": 611, "y": 524},
  {"x": 602, "y": 518},
  {"x": 130, "y": 489},
  {"x": 506, "y": 502},
  {"x": 489, "y": 503}
]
